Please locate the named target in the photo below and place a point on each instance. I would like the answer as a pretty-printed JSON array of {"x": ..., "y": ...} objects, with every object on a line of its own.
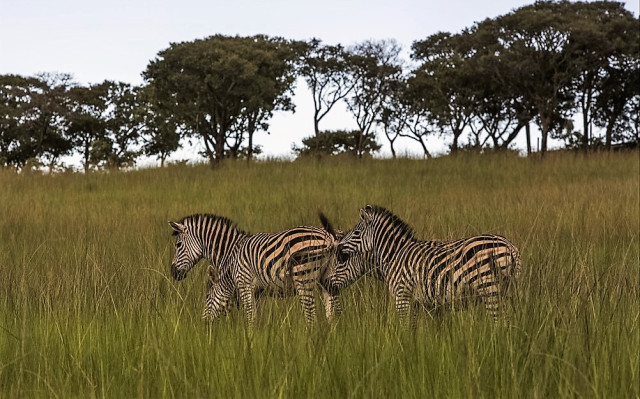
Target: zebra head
[
  {"x": 360, "y": 238},
  {"x": 188, "y": 250},
  {"x": 347, "y": 271}
]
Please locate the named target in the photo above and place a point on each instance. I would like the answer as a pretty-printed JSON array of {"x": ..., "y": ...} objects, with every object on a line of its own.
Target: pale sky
[{"x": 115, "y": 40}]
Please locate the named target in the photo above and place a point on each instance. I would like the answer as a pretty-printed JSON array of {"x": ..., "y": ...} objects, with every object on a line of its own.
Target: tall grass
[{"x": 87, "y": 307}]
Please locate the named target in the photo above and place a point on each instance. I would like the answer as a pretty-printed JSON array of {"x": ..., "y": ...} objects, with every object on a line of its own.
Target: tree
[
  {"x": 160, "y": 132},
  {"x": 325, "y": 69},
  {"x": 86, "y": 119},
  {"x": 537, "y": 49},
  {"x": 441, "y": 84},
  {"x": 328, "y": 143},
  {"x": 618, "y": 79},
  {"x": 124, "y": 125},
  {"x": 374, "y": 65},
  {"x": 209, "y": 84},
  {"x": 33, "y": 124},
  {"x": 393, "y": 115}
]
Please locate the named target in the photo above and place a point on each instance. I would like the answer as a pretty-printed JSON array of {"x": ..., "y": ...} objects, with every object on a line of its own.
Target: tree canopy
[{"x": 544, "y": 64}]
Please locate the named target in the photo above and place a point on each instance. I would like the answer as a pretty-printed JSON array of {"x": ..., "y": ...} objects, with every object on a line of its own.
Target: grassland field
[{"x": 88, "y": 308}]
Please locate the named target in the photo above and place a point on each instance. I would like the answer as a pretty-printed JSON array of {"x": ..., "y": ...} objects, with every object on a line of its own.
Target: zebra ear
[
  {"x": 177, "y": 227},
  {"x": 365, "y": 216}
]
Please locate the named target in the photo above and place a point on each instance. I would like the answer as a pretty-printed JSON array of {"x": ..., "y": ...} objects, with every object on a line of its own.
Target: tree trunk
[
  {"x": 528, "y": 134},
  {"x": 393, "y": 151},
  {"x": 427, "y": 154},
  {"x": 585, "y": 121},
  {"x": 454, "y": 145},
  {"x": 207, "y": 149},
  {"x": 546, "y": 123},
  {"x": 316, "y": 123},
  {"x": 610, "y": 124}
]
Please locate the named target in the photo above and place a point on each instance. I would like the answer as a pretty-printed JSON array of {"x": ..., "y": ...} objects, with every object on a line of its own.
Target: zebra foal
[{"x": 425, "y": 272}]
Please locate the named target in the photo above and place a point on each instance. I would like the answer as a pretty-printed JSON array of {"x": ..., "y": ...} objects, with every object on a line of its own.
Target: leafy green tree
[
  {"x": 403, "y": 115},
  {"x": 537, "y": 49},
  {"x": 326, "y": 71},
  {"x": 618, "y": 82},
  {"x": 210, "y": 84},
  {"x": 124, "y": 123},
  {"x": 604, "y": 41},
  {"x": 33, "y": 117},
  {"x": 328, "y": 143},
  {"x": 160, "y": 131},
  {"x": 374, "y": 66},
  {"x": 87, "y": 107},
  {"x": 441, "y": 85},
  {"x": 14, "y": 98}
]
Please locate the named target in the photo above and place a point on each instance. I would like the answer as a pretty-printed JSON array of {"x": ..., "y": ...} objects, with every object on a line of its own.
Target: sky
[{"x": 115, "y": 40}]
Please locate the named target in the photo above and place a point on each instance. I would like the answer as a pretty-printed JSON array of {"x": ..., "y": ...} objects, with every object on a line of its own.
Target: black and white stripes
[
  {"x": 426, "y": 272},
  {"x": 300, "y": 260},
  {"x": 294, "y": 261}
]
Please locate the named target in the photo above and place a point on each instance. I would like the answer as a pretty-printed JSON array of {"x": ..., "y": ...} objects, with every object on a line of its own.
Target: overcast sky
[{"x": 115, "y": 40}]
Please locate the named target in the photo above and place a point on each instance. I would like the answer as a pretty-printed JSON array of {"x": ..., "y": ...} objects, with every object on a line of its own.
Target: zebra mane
[
  {"x": 202, "y": 217},
  {"x": 398, "y": 224}
]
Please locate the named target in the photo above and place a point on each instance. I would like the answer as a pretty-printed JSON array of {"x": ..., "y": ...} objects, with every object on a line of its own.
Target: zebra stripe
[
  {"x": 428, "y": 272},
  {"x": 292, "y": 262}
]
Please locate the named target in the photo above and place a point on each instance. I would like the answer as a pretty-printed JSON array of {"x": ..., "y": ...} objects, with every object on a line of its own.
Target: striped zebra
[
  {"x": 425, "y": 272},
  {"x": 294, "y": 261}
]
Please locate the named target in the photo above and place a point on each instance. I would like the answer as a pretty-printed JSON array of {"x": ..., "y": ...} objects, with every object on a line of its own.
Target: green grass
[{"x": 87, "y": 307}]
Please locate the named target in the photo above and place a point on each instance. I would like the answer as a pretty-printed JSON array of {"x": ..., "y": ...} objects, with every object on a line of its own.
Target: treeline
[{"x": 540, "y": 64}]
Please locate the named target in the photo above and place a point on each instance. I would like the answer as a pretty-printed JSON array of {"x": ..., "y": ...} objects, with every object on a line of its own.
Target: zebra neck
[
  {"x": 214, "y": 249},
  {"x": 387, "y": 249}
]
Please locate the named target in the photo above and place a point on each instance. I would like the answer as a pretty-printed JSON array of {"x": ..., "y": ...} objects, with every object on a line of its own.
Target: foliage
[
  {"x": 441, "y": 84},
  {"x": 221, "y": 86},
  {"x": 32, "y": 111},
  {"x": 545, "y": 63},
  {"x": 337, "y": 142},
  {"x": 326, "y": 71},
  {"x": 375, "y": 67}
]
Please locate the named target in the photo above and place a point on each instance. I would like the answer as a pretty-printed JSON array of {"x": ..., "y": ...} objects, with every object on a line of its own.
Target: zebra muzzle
[{"x": 178, "y": 274}]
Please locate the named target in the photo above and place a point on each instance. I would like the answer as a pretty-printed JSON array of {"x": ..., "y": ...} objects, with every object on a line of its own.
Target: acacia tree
[
  {"x": 394, "y": 114},
  {"x": 209, "y": 84},
  {"x": 619, "y": 74},
  {"x": 374, "y": 66},
  {"x": 603, "y": 37},
  {"x": 326, "y": 71},
  {"x": 536, "y": 48},
  {"x": 442, "y": 84}
]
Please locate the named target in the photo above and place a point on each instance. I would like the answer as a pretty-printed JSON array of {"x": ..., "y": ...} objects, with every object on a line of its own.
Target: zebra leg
[
  {"x": 305, "y": 292},
  {"x": 246, "y": 292},
  {"x": 414, "y": 312},
  {"x": 490, "y": 293},
  {"x": 403, "y": 306},
  {"x": 332, "y": 306},
  {"x": 208, "y": 301}
]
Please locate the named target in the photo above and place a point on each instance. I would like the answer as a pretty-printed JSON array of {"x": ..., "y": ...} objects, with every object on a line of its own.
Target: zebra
[
  {"x": 294, "y": 261},
  {"x": 425, "y": 272}
]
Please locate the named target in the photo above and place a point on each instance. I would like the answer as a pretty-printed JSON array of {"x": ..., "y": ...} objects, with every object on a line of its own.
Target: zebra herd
[{"x": 299, "y": 260}]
